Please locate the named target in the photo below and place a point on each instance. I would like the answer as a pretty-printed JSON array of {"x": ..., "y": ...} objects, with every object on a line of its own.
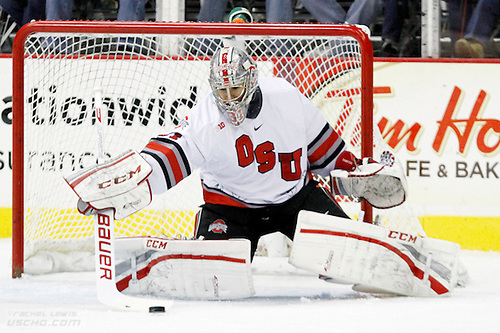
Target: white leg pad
[
  {"x": 372, "y": 258},
  {"x": 197, "y": 269}
]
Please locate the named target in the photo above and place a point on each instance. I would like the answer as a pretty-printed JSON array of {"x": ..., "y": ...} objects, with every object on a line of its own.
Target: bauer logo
[
  {"x": 218, "y": 227},
  {"x": 105, "y": 262}
]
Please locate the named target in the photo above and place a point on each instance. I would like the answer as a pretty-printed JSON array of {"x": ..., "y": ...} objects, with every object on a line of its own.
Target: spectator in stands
[
  {"x": 129, "y": 10},
  {"x": 282, "y": 11},
  {"x": 480, "y": 27},
  {"x": 24, "y": 11},
  {"x": 459, "y": 13},
  {"x": 59, "y": 9},
  {"x": 363, "y": 12},
  {"x": 395, "y": 13},
  {"x": 132, "y": 10}
]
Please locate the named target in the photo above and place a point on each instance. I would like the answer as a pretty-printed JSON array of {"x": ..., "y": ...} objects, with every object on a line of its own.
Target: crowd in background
[{"x": 470, "y": 26}]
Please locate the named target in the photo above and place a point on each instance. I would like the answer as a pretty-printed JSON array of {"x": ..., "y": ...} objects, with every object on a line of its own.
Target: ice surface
[{"x": 287, "y": 300}]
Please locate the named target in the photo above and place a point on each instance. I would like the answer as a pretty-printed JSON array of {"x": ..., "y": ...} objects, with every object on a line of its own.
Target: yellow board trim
[
  {"x": 473, "y": 233},
  {"x": 5, "y": 222}
]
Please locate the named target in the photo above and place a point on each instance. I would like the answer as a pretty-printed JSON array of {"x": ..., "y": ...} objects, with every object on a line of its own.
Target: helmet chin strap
[
  {"x": 255, "y": 104},
  {"x": 253, "y": 107},
  {"x": 234, "y": 113}
]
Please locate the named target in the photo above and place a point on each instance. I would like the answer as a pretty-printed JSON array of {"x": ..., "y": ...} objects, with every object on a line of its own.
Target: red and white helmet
[{"x": 232, "y": 68}]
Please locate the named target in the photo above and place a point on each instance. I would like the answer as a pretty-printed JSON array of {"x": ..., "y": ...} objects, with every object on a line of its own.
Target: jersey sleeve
[
  {"x": 173, "y": 157},
  {"x": 325, "y": 145}
]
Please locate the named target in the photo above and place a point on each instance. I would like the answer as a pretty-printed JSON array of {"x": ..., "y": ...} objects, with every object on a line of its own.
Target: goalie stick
[
  {"x": 107, "y": 293},
  {"x": 104, "y": 231}
]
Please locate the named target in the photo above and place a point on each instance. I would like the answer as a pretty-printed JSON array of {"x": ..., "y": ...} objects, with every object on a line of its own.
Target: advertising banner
[
  {"x": 5, "y": 146},
  {"x": 5, "y": 131},
  {"x": 443, "y": 120}
]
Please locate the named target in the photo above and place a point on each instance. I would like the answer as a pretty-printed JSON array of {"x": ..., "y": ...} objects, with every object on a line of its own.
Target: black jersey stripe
[
  {"x": 179, "y": 150},
  {"x": 330, "y": 158},
  {"x": 319, "y": 136}
]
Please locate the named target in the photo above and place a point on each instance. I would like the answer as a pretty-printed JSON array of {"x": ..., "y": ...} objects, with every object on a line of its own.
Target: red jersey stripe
[
  {"x": 221, "y": 199},
  {"x": 172, "y": 159},
  {"x": 324, "y": 147}
]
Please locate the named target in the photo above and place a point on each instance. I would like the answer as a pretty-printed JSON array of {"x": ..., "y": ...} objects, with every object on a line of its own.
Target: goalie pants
[{"x": 225, "y": 222}]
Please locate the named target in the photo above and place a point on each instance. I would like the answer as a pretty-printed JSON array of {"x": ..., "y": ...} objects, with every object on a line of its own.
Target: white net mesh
[{"x": 149, "y": 82}]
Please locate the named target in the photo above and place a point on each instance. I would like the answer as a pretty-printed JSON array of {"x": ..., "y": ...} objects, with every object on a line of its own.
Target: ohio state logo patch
[{"x": 218, "y": 227}]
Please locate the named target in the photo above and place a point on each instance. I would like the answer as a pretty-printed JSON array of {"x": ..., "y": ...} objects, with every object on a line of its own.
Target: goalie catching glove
[
  {"x": 119, "y": 184},
  {"x": 383, "y": 186}
]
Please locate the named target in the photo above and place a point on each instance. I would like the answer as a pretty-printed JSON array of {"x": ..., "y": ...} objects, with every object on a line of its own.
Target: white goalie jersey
[{"x": 265, "y": 160}]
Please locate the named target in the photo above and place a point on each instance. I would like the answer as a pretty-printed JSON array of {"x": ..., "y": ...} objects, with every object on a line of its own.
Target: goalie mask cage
[{"x": 150, "y": 75}]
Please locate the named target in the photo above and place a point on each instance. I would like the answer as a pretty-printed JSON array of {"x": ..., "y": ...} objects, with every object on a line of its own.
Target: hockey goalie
[{"x": 257, "y": 143}]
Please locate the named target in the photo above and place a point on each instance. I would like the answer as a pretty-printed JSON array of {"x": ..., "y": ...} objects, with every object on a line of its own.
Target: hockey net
[{"x": 150, "y": 75}]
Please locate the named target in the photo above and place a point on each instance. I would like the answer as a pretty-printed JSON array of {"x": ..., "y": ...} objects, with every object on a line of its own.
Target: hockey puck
[{"x": 153, "y": 309}]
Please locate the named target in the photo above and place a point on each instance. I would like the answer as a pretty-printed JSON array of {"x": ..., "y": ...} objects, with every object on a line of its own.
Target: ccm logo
[
  {"x": 120, "y": 179},
  {"x": 402, "y": 236},
  {"x": 156, "y": 244}
]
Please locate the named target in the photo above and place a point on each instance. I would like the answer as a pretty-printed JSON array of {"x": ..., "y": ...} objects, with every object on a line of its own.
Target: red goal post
[{"x": 139, "y": 66}]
